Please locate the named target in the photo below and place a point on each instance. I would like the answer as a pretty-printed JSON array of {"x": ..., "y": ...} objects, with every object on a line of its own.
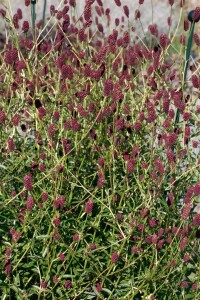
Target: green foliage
[{"x": 98, "y": 191}]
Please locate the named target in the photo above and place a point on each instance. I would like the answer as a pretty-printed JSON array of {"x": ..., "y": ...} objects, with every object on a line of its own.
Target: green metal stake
[
  {"x": 33, "y": 15},
  {"x": 188, "y": 50},
  {"x": 187, "y": 56},
  {"x": 44, "y": 12}
]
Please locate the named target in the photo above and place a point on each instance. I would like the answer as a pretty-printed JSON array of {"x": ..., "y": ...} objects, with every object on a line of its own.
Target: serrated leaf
[
  {"x": 3, "y": 167},
  {"x": 163, "y": 201},
  {"x": 107, "y": 291},
  {"x": 59, "y": 292},
  {"x": 67, "y": 276},
  {"x": 96, "y": 292},
  {"x": 45, "y": 236},
  {"x": 14, "y": 288},
  {"x": 189, "y": 296}
]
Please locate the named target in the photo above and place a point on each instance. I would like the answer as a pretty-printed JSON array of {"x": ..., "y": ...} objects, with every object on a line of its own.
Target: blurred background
[{"x": 152, "y": 11}]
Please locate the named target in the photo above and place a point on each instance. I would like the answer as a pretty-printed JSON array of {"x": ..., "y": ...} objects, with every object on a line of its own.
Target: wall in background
[
  {"x": 152, "y": 11},
  {"x": 157, "y": 13}
]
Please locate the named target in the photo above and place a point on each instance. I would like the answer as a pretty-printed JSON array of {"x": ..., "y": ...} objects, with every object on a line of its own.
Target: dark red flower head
[
  {"x": 196, "y": 14},
  {"x": 118, "y": 2},
  {"x": 171, "y": 2},
  {"x": 126, "y": 10},
  {"x": 28, "y": 181},
  {"x": 89, "y": 206},
  {"x": 27, "y": 2},
  {"x": 25, "y": 26},
  {"x": 114, "y": 257},
  {"x": 68, "y": 284},
  {"x": 72, "y": 3}
]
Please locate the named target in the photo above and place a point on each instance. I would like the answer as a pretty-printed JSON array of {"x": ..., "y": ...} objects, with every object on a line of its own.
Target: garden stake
[
  {"x": 44, "y": 12},
  {"x": 33, "y": 2},
  {"x": 187, "y": 56}
]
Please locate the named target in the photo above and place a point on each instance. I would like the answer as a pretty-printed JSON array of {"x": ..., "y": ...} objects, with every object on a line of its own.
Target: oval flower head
[
  {"x": 114, "y": 257},
  {"x": 89, "y": 206}
]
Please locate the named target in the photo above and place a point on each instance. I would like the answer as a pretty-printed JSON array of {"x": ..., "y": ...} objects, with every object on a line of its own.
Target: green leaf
[
  {"x": 107, "y": 291},
  {"x": 14, "y": 288},
  {"x": 189, "y": 297},
  {"x": 163, "y": 201},
  {"x": 45, "y": 236}
]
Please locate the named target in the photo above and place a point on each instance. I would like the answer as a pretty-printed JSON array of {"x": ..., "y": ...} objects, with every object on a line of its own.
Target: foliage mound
[{"x": 99, "y": 178}]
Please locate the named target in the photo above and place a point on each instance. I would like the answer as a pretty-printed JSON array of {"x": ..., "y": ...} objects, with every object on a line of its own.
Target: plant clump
[{"x": 99, "y": 181}]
